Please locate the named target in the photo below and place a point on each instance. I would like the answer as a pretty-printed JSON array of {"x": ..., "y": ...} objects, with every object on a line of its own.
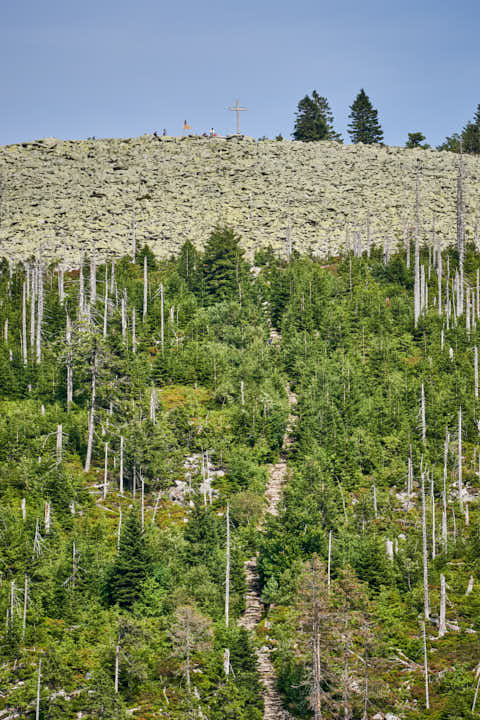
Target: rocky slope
[{"x": 70, "y": 196}]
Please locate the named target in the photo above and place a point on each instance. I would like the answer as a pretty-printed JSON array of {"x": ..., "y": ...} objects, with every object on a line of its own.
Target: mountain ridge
[{"x": 68, "y": 197}]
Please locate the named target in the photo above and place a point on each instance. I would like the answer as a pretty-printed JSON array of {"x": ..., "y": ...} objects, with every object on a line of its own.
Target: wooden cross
[{"x": 238, "y": 109}]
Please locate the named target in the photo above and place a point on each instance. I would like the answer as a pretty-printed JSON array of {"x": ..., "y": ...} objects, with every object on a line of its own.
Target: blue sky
[{"x": 119, "y": 69}]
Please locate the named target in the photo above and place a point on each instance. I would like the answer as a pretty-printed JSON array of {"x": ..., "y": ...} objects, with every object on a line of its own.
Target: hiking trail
[{"x": 277, "y": 475}]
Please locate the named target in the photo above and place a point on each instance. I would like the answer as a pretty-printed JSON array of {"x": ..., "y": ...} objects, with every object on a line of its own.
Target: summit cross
[{"x": 236, "y": 108}]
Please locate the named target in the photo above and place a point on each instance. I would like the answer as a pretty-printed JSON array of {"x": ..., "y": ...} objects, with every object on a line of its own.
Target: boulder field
[{"x": 68, "y": 197}]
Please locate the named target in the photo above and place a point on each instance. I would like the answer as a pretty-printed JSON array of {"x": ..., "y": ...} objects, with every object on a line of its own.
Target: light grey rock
[{"x": 70, "y": 195}]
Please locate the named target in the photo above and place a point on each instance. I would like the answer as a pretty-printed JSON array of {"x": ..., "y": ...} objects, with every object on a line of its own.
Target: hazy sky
[{"x": 119, "y": 69}]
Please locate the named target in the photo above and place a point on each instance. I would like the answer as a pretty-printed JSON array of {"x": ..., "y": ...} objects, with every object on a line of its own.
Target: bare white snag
[
  {"x": 416, "y": 288},
  {"x": 117, "y": 663},
  {"x": 81, "y": 291},
  {"x": 24, "y": 325},
  {"x": 91, "y": 418},
  {"x": 460, "y": 231},
  {"x": 460, "y": 480},
  {"x": 105, "y": 472},
  {"x": 226, "y": 661},
  {"x": 475, "y": 369},
  {"x": 105, "y": 306},
  {"x": 47, "y": 517},
  {"x": 39, "y": 680},
  {"x": 59, "y": 445},
  {"x": 469, "y": 586},
  {"x": 442, "y": 625},
  {"x": 432, "y": 495},
  {"x": 39, "y": 313},
  {"x": 422, "y": 415},
  {"x": 68, "y": 338},
  {"x": 329, "y": 559},
  {"x": 426, "y": 600},
  {"x": 444, "y": 493},
  {"x": 134, "y": 331},
  {"x": 425, "y": 666},
  {"x": 476, "y": 694},
  {"x": 121, "y": 464},
  {"x": 32, "y": 309},
  {"x": 119, "y": 530},
  {"x": 25, "y": 606},
  {"x": 124, "y": 314},
  {"x": 93, "y": 279},
  {"x": 145, "y": 288},
  {"x": 153, "y": 405},
  {"x": 162, "y": 321},
  {"x": 227, "y": 570}
]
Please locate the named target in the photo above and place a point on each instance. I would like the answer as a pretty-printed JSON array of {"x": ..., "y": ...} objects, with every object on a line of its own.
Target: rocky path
[{"x": 277, "y": 474}]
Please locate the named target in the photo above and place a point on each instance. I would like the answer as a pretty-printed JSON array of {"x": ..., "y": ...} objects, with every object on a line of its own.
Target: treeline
[{"x": 314, "y": 121}]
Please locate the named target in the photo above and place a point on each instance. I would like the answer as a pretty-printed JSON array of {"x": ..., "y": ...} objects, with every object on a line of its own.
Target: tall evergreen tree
[
  {"x": 223, "y": 265},
  {"x": 415, "y": 140},
  {"x": 364, "y": 126},
  {"x": 314, "y": 120},
  {"x": 471, "y": 135},
  {"x": 189, "y": 264},
  {"x": 131, "y": 565}
]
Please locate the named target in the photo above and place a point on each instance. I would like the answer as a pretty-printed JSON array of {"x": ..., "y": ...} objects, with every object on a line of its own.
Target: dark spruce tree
[
  {"x": 471, "y": 135},
  {"x": 314, "y": 120},
  {"x": 131, "y": 565},
  {"x": 223, "y": 266},
  {"x": 415, "y": 140},
  {"x": 364, "y": 126},
  {"x": 468, "y": 141}
]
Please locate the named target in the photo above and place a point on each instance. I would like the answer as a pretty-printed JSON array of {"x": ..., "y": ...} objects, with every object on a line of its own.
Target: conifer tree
[
  {"x": 188, "y": 265},
  {"x": 364, "y": 126},
  {"x": 471, "y": 135},
  {"x": 314, "y": 120},
  {"x": 223, "y": 265},
  {"x": 131, "y": 565}
]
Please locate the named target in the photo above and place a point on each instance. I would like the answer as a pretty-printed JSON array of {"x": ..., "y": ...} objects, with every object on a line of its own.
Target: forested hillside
[{"x": 172, "y": 521}]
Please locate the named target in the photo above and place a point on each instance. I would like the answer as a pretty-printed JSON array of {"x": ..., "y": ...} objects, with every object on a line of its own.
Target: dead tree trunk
[
  {"x": 91, "y": 420},
  {"x": 121, "y": 464},
  {"x": 68, "y": 338},
  {"x": 105, "y": 307},
  {"x": 444, "y": 493},
  {"x": 24, "y": 326},
  {"x": 426, "y": 601},
  {"x": 39, "y": 313},
  {"x": 460, "y": 232},
  {"x": 442, "y": 625},
  {"x": 422, "y": 415},
  {"x": 475, "y": 370},
  {"x": 59, "y": 445},
  {"x": 227, "y": 571},
  {"x": 162, "y": 321},
  {"x": 39, "y": 684},
  {"x": 416, "y": 290},
  {"x": 460, "y": 479},
  {"x": 145, "y": 288},
  {"x": 425, "y": 666},
  {"x": 105, "y": 472}
]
